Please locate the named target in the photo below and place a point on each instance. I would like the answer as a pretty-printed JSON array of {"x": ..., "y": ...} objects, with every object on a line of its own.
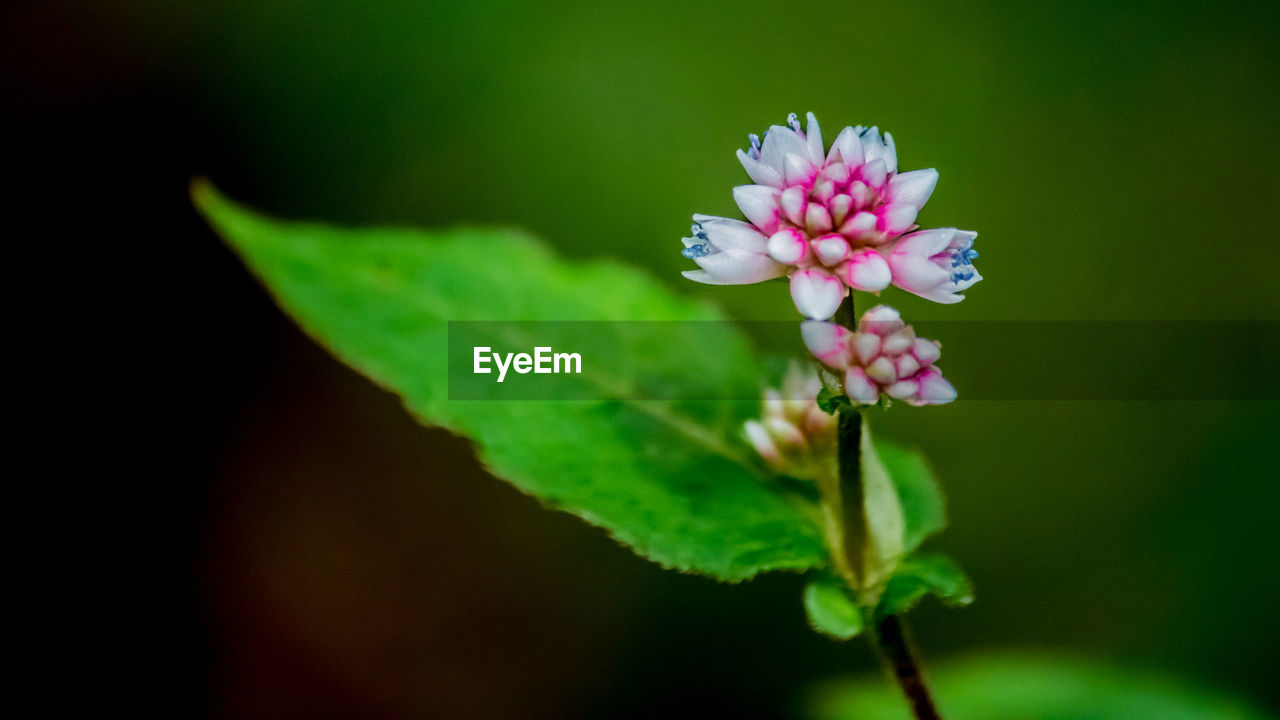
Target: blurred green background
[{"x": 329, "y": 558}]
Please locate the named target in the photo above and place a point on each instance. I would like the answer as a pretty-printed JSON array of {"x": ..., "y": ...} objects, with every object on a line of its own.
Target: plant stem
[
  {"x": 889, "y": 634},
  {"x": 849, "y": 500},
  {"x": 895, "y": 650},
  {"x": 853, "y": 518}
]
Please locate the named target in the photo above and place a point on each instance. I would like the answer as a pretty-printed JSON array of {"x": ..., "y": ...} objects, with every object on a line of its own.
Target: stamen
[
  {"x": 794, "y": 122},
  {"x": 695, "y": 251},
  {"x": 755, "y": 146},
  {"x": 697, "y": 231},
  {"x": 960, "y": 276},
  {"x": 963, "y": 257}
]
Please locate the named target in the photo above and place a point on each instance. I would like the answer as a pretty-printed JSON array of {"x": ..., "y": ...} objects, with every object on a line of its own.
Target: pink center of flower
[{"x": 830, "y": 209}]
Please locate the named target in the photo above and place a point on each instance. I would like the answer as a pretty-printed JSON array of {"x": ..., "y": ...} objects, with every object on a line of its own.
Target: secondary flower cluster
[
  {"x": 882, "y": 356},
  {"x": 793, "y": 431},
  {"x": 832, "y": 219}
]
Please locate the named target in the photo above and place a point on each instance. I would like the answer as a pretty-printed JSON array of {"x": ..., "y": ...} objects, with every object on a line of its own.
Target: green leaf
[
  {"x": 673, "y": 480},
  {"x": 885, "y": 521},
  {"x": 923, "y": 509},
  {"x": 830, "y": 609},
  {"x": 833, "y": 400},
  {"x": 1028, "y": 686},
  {"x": 919, "y": 576}
]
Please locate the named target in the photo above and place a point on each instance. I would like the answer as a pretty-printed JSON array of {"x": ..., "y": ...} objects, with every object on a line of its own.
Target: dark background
[{"x": 273, "y": 536}]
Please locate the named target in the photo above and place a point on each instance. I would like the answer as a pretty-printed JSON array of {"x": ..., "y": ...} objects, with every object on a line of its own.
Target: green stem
[
  {"x": 889, "y": 634},
  {"x": 848, "y": 492},
  {"x": 853, "y": 517},
  {"x": 895, "y": 651}
]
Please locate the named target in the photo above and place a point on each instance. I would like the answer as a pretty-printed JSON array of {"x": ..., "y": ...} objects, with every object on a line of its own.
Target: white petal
[
  {"x": 862, "y": 222},
  {"x": 860, "y": 193},
  {"x": 902, "y": 389},
  {"x": 778, "y": 143},
  {"x": 823, "y": 190},
  {"x": 817, "y": 219},
  {"x": 827, "y": 341},
  {"x": 940, "y": 294},
  {"x": 867, "y": 271},
  {"x": 881, "y": 320},
  {"x": 917, "y": 274},
  {"x": 934, "y": 389},
  {"x": 761, "y": 441},
  {"x": 866, "y": 346},
  {"x": 913, "y": 187},
  {"x": 813, "y": 139},
  {"x": 799, "y": 169},
  {"x": 899, "y": 342},
  {"x": 783, "y": 431},
  {"x": 729, "y": 234},
  {"x": 793, "y": 204},
  {"x": 926, "y": 351},
  {"x": 788, "y": 246},
  {"x": 872, "y": 145},
  {"x": 738, "y": 267},
  {"x": 907, "y": 366},
  {"x": 840, "y": 205},
  {"x": 759, "y": 173},
  {"x": 898, "y": 218},
  {"x": 833, "y": 248},
  {"x": 925, "y": 243},
  {"x": 837, "y": 172},
  {"x": 859, "y": 389},
  {"x": 817, "y": 295},
  {"x": 760, "y": 204},
  {"x": 882, "y": 371},
  {"x": 701, "y": 276},
  {"x": 873, "y": 173},
  {"x": 890, "y": 154},
  {"x": 848, "y": 146}
]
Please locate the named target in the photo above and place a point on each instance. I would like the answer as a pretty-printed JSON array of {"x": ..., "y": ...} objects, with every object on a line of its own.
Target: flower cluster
[
  {"x": 793, "y": 431},
  {"x": 832, "y": 219},
  {"x": 883, "y": 355},
  {"x": 836, "y": 219}
]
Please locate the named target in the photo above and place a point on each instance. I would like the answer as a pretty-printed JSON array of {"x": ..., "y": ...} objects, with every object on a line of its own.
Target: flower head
[
  {"x": 793, "y": 432},
  {"x": 882, "y": 356},
  {"x": 826, "y": 217}
]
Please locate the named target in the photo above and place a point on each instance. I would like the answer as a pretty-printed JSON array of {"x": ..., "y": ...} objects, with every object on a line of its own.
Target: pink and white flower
[
  {"x": 793, "y": 432},
  {"x": 882, "y": 356},
  {"x": 935, "y": 264},
  {"x": 729, "y": 252},
  {"x": 827, "y": 217}
]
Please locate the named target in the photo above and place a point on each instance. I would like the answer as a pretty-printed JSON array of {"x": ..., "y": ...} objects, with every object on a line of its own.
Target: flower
[
  {"x": 730, "y": 252},
  {"x": 827, "y": 217},
  {"x": 793, "y": 431},
  {"x": 882, "y": 356},
  {"x": 935, "y": 264}
]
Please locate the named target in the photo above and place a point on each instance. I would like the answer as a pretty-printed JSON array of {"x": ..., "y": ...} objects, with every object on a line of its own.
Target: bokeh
[{"x": 326, "y": 557}]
